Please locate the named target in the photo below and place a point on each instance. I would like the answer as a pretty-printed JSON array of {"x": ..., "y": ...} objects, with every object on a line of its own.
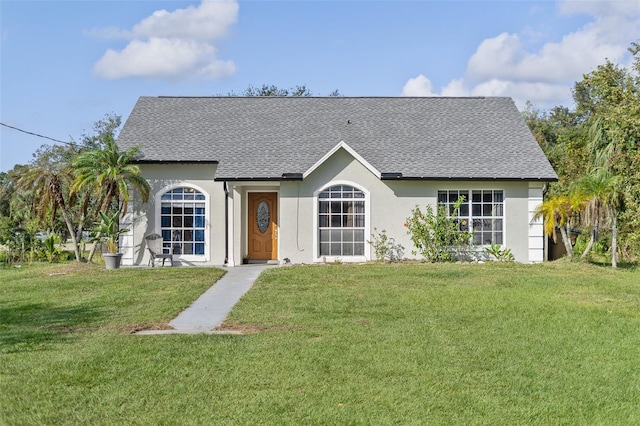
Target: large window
[
  {"x": 341, "y": 221},
  {"x": 481, "y": 213},
  {"x": 182, "y": 221}
]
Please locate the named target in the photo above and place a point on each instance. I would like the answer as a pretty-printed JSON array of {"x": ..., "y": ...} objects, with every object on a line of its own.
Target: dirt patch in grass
[
  {"x": 74, "y": 268},
  {"x": 253, "y": 329}
]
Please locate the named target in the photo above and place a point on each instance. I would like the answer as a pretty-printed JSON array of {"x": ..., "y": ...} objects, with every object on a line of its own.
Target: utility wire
[{"x": 35, "y": 134}]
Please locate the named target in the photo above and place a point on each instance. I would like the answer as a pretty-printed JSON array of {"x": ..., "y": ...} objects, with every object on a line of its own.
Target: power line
[{"x": 35, "y": 134}]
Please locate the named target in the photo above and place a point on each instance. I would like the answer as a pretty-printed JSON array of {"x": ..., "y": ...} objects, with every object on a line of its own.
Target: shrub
[
  {"x": 386, "y": 247},
  {"x": 500, "y": 254},
  {"x": 437, "y": 237}
]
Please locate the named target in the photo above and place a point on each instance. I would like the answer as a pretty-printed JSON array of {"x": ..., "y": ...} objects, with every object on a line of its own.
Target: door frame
[{"x": 246, "y": 219}]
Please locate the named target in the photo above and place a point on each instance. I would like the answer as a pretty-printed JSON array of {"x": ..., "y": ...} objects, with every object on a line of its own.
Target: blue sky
[{"x": 65, "y": 64}]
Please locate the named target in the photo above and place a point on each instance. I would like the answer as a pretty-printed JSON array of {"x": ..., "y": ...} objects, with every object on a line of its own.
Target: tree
[
  {"x": 557, "y": 212},
  {"x": 49, "y": 186},
  {"x": 273, "y": 90},
  {"x": 108, "y": 173},
  {"x": 602, "y": 196}
]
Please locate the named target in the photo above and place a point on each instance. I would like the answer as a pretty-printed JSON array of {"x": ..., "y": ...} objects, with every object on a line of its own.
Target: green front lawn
[{"x": 370, "y": 344}]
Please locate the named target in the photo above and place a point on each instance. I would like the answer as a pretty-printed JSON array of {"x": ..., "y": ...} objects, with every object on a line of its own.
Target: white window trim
[
  {"x": 207, "y": 221},
  {"x": 471, "y": 217},
  {"x": 367, "y": 226}
]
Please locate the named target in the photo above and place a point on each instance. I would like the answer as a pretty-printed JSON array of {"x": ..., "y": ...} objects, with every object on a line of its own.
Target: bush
[
  {"x": 386, "y": 247},
  {"x": 437, "y": 237}
]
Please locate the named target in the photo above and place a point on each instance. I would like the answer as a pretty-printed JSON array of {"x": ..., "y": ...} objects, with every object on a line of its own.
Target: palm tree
[
  {"x": 602, "y": 194},
  {"x": 109, "y": 174},
  {"x": 48, "y": 187},
  {"x": 557, "y": 212}
]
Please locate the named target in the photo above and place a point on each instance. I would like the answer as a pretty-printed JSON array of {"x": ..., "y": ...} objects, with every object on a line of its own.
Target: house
[{"x": 308, "y": 179}]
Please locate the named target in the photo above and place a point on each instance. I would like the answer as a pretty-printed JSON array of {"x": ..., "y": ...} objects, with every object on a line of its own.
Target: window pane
[
  {"x": 498, "y": 238},
  {"x": 337, "y": 217},
  {"x": 486, "y": 210},
  {"x": 497, "y": 196},
  {"x": 179, "y": 221},
  {"x": 324, "y": 249},
  {"x": 336, "y": 249},
  {"x": 487, "y": 196},
  {"x": 347, "y": 249},
  {"x": 464, "y": 210},
  {"x": 476, "y": 196},
  {"x": 358, "y": 249},
  {"x": 476, "y": 209},
  {"x": 442, "y": 197}
]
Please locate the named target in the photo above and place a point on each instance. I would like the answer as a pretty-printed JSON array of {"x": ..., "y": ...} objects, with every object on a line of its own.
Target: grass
[{"x": 370, "y": 344}]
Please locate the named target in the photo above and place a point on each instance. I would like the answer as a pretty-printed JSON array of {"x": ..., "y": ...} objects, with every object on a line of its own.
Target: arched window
[
  {"x": 182, "y": 221},
  {"x": 341, "y": 221}
]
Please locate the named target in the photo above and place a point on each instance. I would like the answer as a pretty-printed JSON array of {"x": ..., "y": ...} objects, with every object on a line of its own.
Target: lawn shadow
[
  {"x": 627, "y": 266},
  {"x": 37, "y": 326}
]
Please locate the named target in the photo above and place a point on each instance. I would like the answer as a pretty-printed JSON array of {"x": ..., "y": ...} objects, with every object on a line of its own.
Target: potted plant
[{"x": 108, "y": 232}]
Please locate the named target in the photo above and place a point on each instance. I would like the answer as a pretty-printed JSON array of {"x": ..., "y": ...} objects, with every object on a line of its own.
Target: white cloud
[
  {"x": 176, "y": 45},
  {"x": 502, "y": 65},
  {"x": 208, "y": 21},
  {"x": 419, "y": 86},
  {"x": 600, "y": 7}
]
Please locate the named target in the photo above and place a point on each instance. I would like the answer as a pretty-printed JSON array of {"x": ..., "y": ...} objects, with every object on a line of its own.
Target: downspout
[{"x": 226, "y": 224}]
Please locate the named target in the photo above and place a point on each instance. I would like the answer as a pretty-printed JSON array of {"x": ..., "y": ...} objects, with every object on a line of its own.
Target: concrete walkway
[{"x": 212, "y": 307}]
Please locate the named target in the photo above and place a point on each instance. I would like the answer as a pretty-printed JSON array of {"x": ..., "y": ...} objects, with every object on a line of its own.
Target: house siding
[
  {"x": 144, "y": 217},
  {"x": 389, "y": 204}
]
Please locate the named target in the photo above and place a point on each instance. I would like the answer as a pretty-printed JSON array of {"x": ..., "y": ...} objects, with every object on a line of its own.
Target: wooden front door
[{"x": 263, "y": 225}]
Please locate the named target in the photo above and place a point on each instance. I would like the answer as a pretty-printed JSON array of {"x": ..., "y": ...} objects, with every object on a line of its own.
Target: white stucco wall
[
  {"x": 144, "y": 217},
  {"x": 389, "y": 204}
]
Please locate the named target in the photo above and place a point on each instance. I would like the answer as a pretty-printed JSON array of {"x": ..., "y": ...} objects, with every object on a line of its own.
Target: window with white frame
[
  {"x": 182, "y": 221},
  {"x": 341, "y": 221},
  {"x": 481, "y": 212}
]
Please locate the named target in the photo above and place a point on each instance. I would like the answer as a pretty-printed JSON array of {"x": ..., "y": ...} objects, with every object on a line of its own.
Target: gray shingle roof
[{"x": 265, "y": 137}]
